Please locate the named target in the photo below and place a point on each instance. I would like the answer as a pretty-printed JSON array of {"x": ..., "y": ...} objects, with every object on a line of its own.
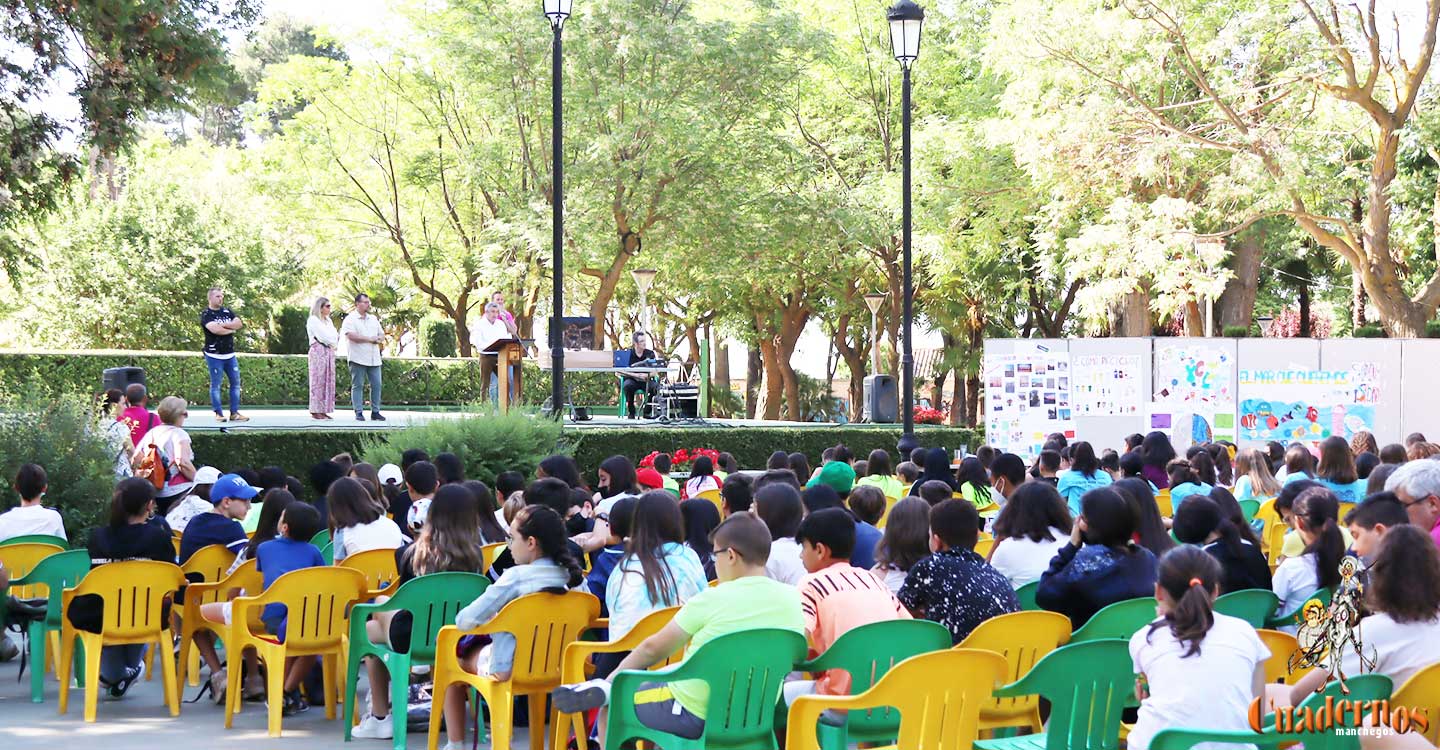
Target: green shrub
[
  {"x": 287, "y": 331},
  {"x": 1432, "y": 329},
  {"x": 486, "y": 442},
  {"x": 1235, "y": 332},
  {"x": 298, "y": 450},
  {"x": 437, "y": 338},
  {"x": 282, "y": 380},
  {"x": 1370, "y": 331},
  {"x": 61, "y": 435}
]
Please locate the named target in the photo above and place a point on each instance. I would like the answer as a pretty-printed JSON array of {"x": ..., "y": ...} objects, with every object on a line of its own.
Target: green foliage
[
  {"x": 288, "y": 334},
  {"x": 1432, "y": 329},
  {"x": 1235, "y": 332},
  {"x": 437, "y": 338},
  {"x": 275, "y": 380},
  {"x": 297, "y": 450},
  {"x": 142, "y": 265},
  {"x": 63, "y": 436},
  {"x": 816, "y": 403},
  {"x": 1370, "y": 331},
  {"x": 486, "y": 442}
]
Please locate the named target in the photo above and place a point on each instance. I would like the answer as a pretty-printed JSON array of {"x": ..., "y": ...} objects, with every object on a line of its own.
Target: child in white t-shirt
[
  {"x": 358, "y": 521},
  {"x": 31, "y": 517},
  {"x": 1195, "y": 674}
]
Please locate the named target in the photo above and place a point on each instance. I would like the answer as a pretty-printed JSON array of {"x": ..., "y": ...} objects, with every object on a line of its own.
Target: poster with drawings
[
  {"x": 1027, "y": 397},
  {"x": 1199, "y": 374},
  {"x": 1307, "y": 406},
  {"x": 1106, "y": 385}
]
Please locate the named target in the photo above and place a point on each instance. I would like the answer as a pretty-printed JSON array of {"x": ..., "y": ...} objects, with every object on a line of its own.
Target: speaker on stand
[{"x": 882, "y": 400}]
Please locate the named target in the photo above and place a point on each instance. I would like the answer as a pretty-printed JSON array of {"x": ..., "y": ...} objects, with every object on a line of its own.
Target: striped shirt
[{"x": 836, "y": 600}]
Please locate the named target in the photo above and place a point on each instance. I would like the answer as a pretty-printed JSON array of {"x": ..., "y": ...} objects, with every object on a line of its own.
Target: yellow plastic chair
[
  {"x": 378, "y": 565},
  {"x": 1267, "y": 515},
  {"x": 20, "y": 559},
  {"x": 1344, "y": 510},
  {"x": 246, "y": 578},
  {"x": 489, "y": 553},
  {"x": 1162, "y": 499},
  {"x": 544, "y": 625},
  {"x": 983, "y": 547},
  {"x": 1023, "y": 638},
  {"x": 935, "y": 714},
  {"x": 133, "y": 595},
  {"x": 1422, "y": 690},
  {"x": 208, "y": 565},
  {"x": 1275, "y": 541},
  {"x": 575, "y": 664},
  {"x": 714, "y": 497},
  {"x": 1277, "y": 667},
  {"x": 175, "y": 540},
  {"x": 317, "y": 602}
]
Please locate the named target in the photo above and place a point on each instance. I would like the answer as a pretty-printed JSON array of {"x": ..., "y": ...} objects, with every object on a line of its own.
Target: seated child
[
  {"x": 30, "y": 517},
  {"x": 955, "y": 586}
]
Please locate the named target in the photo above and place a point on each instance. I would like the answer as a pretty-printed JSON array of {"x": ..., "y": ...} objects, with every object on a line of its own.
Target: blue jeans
[
  {"x": 230, "y": 369},
  {"x": 358, "y": 375},
  {"x": 116, "y": 660}
]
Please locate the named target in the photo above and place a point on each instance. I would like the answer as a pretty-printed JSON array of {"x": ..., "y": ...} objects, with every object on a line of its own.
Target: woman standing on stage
[{"x": 323, "y": 340}]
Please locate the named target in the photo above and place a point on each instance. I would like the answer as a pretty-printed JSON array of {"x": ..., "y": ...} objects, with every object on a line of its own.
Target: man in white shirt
[
  {"x": 31, "y": 517},
  {"x": 364, "y": 335},
  {"x": 491, "y": 328}
]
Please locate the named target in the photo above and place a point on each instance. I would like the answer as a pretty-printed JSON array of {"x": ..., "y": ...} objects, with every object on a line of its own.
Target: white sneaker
[
  {"x": 455, "y": 746},
  {"x": 371, "y": 728}
]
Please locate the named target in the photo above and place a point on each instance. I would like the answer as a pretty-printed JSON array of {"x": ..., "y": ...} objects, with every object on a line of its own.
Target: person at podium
[
  {"x": 489, "y": 329},
  {"x": 632, "y": 384}
]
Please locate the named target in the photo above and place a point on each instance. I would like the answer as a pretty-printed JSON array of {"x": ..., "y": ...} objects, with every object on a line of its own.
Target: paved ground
[{"x": 140, "y": 721}]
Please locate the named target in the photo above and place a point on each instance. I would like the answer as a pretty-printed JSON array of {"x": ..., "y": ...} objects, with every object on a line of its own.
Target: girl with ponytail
[
  {"x": 1201, "y": 522},
  {"x": 1198, "y": 668},
  {"x": 543, "y": 562},
  {"x": 1314, "y": 518}
]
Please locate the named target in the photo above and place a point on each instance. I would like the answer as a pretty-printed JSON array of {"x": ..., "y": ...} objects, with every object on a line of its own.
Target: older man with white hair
[
  {"x": 1417, "y": 484},
  {"x": 490, "y": 328}
]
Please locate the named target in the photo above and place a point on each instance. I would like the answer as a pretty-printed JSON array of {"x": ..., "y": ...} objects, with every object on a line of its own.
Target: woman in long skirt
[{"x": 323, "y": 340}]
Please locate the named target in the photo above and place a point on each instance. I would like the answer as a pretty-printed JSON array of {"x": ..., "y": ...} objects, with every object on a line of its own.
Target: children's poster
[
  {"x": 1307, "y": 406},
  {"x": 1106, "y": 385},
  {"x": 1190, "y": 424},
  {"x": 1196, "y": 374},
  {"x": 1027, "y": 397}
]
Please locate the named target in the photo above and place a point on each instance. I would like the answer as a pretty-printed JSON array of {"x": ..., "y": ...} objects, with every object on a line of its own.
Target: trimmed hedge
[
  {"x": 297, "y": 450},
  {"x": 282, "y": 380}
]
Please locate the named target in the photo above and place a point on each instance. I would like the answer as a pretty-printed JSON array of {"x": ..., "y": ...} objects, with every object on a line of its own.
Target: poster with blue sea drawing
[{"x": 1307, "y": 406}]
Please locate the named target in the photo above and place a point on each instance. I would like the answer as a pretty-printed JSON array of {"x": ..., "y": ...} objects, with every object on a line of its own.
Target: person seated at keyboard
[{"x": 633, "y": 383}]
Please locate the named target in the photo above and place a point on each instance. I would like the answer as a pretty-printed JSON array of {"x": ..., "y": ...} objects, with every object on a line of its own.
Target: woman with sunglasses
[{"x": 323, "y": 340}]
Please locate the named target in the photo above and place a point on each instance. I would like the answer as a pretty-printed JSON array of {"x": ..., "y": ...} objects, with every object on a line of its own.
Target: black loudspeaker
[
  {"x": 120, "y": 377},
  {"x": 882, "y": 399}
]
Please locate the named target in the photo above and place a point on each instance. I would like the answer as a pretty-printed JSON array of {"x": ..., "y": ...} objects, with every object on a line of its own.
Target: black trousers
[{"x": 631, "y": 386}]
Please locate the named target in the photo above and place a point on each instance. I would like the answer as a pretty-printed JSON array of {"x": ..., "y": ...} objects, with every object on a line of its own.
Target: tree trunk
[
  {"x": 1236, "y": 305},
  {"x": 1194, "y": 318},
  {"x": 792, "y": 324},
  {"x": 753, "y": 374},
  {"x": 1134, "y": 314},
  {"x": 1357, "y": 300},
  {"x": 629, "y": 246},
  {"x": 772, "y": 384},
  {"x": 972, "y": 400},
  {"x": 1305, "y": 328},
  {"x": 720, "y": 360}
]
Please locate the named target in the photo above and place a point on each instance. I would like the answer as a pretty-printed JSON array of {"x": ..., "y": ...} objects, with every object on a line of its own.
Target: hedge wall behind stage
[
  {"x": 297, "y": 450},
  {"x": 283, "y": 380}
]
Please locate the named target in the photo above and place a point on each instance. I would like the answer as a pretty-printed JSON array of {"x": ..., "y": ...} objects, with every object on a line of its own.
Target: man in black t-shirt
[
  {"x": 220, "y": 325},
  {"x": 633, "y": 384}
]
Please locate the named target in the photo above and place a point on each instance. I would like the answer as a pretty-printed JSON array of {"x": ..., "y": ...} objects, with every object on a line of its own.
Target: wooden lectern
[{"x": 507, "y": 352}]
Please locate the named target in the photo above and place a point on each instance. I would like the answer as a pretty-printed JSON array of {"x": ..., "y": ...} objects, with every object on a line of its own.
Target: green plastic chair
[
  {"x": 1026, "y": 595},
  {"x": 1249, "y": 508},
  {"x": 37, "y": 539},
  {"x": 1369, "y": 687},
  {"x": 321, "y": 538},
  {"x": 1292, "y": 619},
  {"x": 1254, "y": 606},
  {"x": 433, "y": 601},
  {"x": 328, "y": 553},
  {"x": 1087, "y": 685},
  {"x": 868, "y": 653},
  {"x": 745, "y": 671},
  {"x": 58, "y": 572},
  {"x": 1119, "y": 620}
]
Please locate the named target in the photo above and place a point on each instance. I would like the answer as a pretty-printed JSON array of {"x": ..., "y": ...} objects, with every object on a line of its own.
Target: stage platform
[{"x": 396, "y": 419}]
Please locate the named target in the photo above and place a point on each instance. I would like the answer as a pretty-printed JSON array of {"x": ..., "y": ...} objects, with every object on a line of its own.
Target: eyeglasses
[{"x": 1417, "y": 502}]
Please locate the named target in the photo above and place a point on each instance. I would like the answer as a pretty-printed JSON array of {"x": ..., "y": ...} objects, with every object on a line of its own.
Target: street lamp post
[
  {"x": 906, "y": 19},
  {"x": 643, "y": 278},
  {"x": 873, "y": 301},
  {"x": 557, "y": 11}
]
